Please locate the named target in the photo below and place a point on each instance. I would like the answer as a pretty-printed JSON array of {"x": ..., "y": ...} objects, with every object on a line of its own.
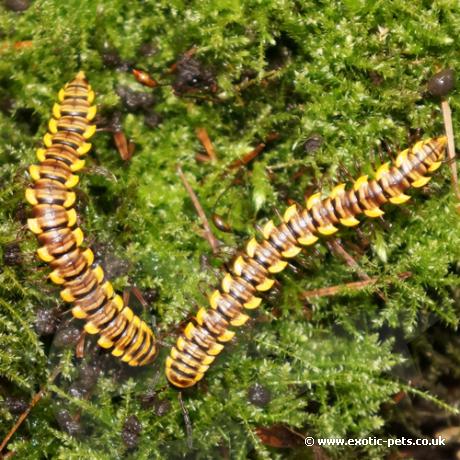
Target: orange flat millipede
[
  {"x": 54, "y": 221},
  {"x": 204, "y": 337}
]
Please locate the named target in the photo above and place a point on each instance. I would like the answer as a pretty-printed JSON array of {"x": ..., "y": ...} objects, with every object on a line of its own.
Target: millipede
[
  {"x": 251, "y": 272},
  {"x": 54, "y": 221}
]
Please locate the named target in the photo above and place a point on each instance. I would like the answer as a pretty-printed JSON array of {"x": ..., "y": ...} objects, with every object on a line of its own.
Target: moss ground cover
[{"x": 341, "y": 83}]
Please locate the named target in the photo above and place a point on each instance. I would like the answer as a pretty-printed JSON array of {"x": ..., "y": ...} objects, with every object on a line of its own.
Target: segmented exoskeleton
[
  {"x": 54, "y": 222},
  {"x": 202, "y": 340}
]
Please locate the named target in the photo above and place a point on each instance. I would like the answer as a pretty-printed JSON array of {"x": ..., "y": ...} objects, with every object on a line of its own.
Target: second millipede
[
  {"x": 203, "y": 339},
  {"x": 54, "y": 221}
]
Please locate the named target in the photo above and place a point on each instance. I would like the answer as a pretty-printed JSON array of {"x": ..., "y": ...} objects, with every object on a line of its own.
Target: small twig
[
  {"x": 138, "y": 294},
  {"x": 285, "y": 165},
  {"x": 447, "y": 117},
  {"x": 248, "y": 157},
  {"x": 124, "y": 146},
  {"x": 333, "y": 290},
  {"x": 255, "y": 152},
  {"x": 202, "y": 158},
  {"x": 203, "y": 137},
  {"x": 6, "y": 46},
  {"x": 336, "y": 247},
  {"x": 204, "y": 220},
  {"x": 188, "y": 423},
  {"x": 35, "y": 399}
]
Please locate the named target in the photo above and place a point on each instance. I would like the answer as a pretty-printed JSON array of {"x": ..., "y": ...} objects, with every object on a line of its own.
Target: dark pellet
[
  {"x": 259, "y": 395},
  {"x": 442, "y": 83}
]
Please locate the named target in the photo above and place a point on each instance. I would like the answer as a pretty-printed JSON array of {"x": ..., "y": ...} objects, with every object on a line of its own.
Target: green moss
[{"x": 353, "y": 72}]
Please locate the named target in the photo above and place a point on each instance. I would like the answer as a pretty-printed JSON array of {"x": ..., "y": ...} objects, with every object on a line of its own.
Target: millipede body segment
[
  {"x": 54, "y": 221},
  {"x": 202, "y": 339}
]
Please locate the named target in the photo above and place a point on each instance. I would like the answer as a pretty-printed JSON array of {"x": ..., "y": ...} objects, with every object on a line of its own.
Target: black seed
[
  {"x": 15, "y": 405},
  {"x": 313, "y": 143},
  {"x": 135, "y": 100},
  {"x": 17, "y": 5},
  {"x": 45, "y": 322},
  {"x": 148, "y": 400},
  {"x": 152, "y": 119},
  {"x": 376, "y": 78},
  {"x": 131, "y": 430},
  {"x": 110, "y": 56},
  {"x": 162, "y": 407},
  {"x": 220, "y": 223},
  {"x": 191, "y": 75},
  {"x": 148, "y": 49},
  {"x": 88, "y": 377},
  {"x": 12, "y": 254},
  {"x": 442, "y": 83},
  {"x": 259, "y": 395},
  {"x": 67, "y": 423},
  {"x": 67, "y": 336},
  {"x": 111, "y": 59}
]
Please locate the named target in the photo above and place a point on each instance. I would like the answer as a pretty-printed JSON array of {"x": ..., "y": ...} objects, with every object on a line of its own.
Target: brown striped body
[
  {"x": 54, "y": 221},
  {"x": 203, "y": 338}
]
